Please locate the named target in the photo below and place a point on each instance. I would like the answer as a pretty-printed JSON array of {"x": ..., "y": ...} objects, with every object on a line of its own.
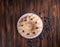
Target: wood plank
[
  {"x": 0, "y": 24},
  {"x": 4, "y": 30},
  {"x": 9, "y": 22}
]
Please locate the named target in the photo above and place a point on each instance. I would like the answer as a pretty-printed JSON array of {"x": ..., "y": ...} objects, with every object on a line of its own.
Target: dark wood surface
[{"x": 11, "y": 10}]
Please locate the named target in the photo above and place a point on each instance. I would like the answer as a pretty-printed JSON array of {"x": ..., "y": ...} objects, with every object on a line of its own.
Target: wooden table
[{"x": 10, "y": 12}]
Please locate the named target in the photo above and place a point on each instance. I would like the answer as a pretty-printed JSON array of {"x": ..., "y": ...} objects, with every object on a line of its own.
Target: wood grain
[{"x": 12, "y": 10}]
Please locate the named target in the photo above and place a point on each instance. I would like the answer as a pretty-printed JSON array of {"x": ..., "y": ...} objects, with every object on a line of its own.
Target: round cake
[{"x": 29, "y": 25}]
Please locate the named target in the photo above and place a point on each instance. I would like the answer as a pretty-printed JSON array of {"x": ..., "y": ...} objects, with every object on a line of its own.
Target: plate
[{"x": 29, "y": 25}]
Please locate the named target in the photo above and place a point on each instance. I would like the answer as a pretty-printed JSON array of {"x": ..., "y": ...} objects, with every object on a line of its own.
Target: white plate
[{"x": 30, "y": 25}]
